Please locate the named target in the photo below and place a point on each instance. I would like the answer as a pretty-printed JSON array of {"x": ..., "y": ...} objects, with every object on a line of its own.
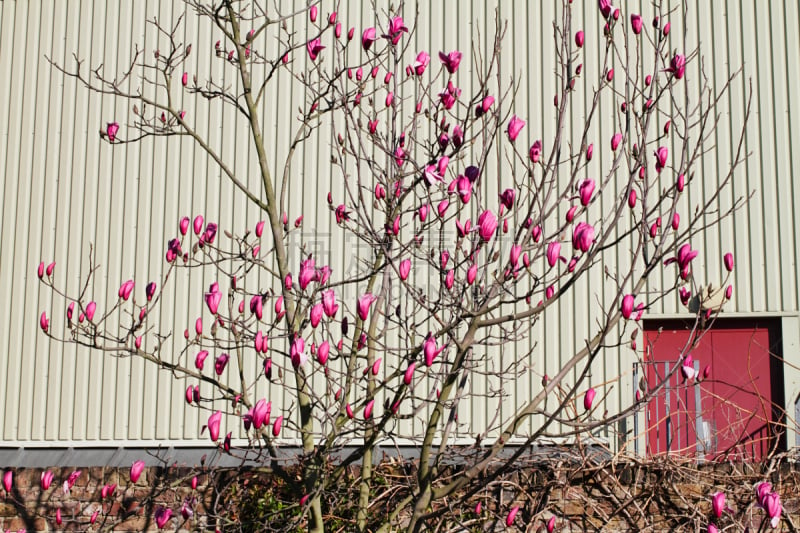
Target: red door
[{"x": 725, "y": 416}]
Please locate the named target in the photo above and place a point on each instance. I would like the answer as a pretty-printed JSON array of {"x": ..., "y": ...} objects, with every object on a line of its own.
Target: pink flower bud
[
  {"x": 512, "y": 514},
  {"x": 588, "y": 398},
  {"x": 136, "y": 470},
  {"x": 615, "y": 141},
  {"x": 728, "y": 259}
]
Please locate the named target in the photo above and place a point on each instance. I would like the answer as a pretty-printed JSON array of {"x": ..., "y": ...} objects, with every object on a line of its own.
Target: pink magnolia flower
[
  {"x": 451, "y": 60},
  {"x": 583, "y": 237},
  {"x": 507, "y": 198},
  {"x": 441, "y": 208},
  {"x": 91, "y": 307},
  {"x": 554, "y": 253},
  {"x": 535, "y": 153},
  {"x": 683, "y": 258},
  {"x": 711, "y": 527},
  {"x": 125, "y": 290},
  {"x": 449, "y": 279},
  {"x": 588, "y": 398},
  {"x": 458, "y": 137},
  {"x": 46, "y": 479},
  {"x": 431, "y": 175},
  {"x": 551, "y": 524},
  {"x": 368, "y": 409},
  {"x": 186, "y": 509},
  {"x": 463, "y": 188},
  {"x": 421, "y": 63},
  {"x": 108, "y": 490},
  {"x": 579, "y": 39},
  {"x": 487, "y": 225},
  {"x": 323, "y": 274},
  {"x": 463, "y": 229},
  {"x": 163, "y": 515},
  {"x": 329, "y": 304},
  {"x": 718, "y": 503},
  {"x": 364, "y": 303},
  {"x": 308, "y": 273},
  {"x": 486, "y": 103},
  {"x": 444, "y": 257},
  {"x": 213, "y": 298},
  {"x": 515, "y": 126},
  {"x": 298, "y": 352},
  {"x": 396, "y": 29},
  {"x": 276, "y": 426},
  {"x": 627, "y": 306},
  {"x": 315, "y": 315},
  {"x": 70, "y": 481},
  {"x": 136, "y": 470},
  {"x": 404, "y": 269},
  {"x": 200, "y": 359},
  {"x": 220, "y": 363},
  {"x": 189, "y": 394},
  {"x": 367, "y": 38},
  {"x": 44, "y": 323},
  {"x": 661, "y": 157},
  {"x": 430, "y": 350},
  {"x": 423, "y": 212},
  {"x": 8, "y": 480},
  {"x": 213, "y": 425},
  {"x": 512, "y": 514},
  {"x": 678, "y": 66},
  {"x": 322, "y": 352},
  {"x": 513, "y": 256},
  {"x": 728, "y": 259},
  {"x": 615, "y": 141},
  {"x": 314, "y": 48},
  {"x": 762, "y": 491},
  {"x": 210, "y": 233},
  {"x": 687, "y": 368},
  {"x": 586, "y": 189},
  {"x": 341, "y": 214},
  {"x": 112, "y": 128},
  {"x": 636, "y": 23},
  {"x": 260, "y": 413},
  {"x": 408, "y": 375},
  {"x": 449, "y": 95},
  {"x": 472, "y": 273},
  {"x": 312, "y": 13},
  {"x": 772, "y": 503}
]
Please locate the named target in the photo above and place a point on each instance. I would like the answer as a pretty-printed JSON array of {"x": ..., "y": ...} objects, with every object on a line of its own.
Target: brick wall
[
  {"x": 658, "y": 496},
  {"x": 130, "y": 508}
]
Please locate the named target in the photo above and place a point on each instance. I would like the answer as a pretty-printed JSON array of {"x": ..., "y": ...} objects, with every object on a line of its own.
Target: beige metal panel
[
  {"x": 9, "y": 148},
  {"x": 791, "y": 135},
  {"x": 64, "y": 190}
]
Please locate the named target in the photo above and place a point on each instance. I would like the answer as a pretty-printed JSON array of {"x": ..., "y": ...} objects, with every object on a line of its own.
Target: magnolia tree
[{"x": 449, "y": 271}]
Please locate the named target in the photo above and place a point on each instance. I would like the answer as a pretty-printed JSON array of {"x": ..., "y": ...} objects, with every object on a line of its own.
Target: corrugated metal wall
[{"x": 62, "y": 189}]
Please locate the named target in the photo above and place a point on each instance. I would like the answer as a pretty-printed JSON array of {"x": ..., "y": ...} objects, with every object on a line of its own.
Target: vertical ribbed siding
[{"x": 64, "y": 189}]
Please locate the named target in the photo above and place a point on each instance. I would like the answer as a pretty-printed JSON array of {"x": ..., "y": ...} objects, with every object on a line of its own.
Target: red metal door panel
[
  {"x": 728, "y": 414},
  {"x": 672, "y": 413},
  {"x": 740, "y": 403}
]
